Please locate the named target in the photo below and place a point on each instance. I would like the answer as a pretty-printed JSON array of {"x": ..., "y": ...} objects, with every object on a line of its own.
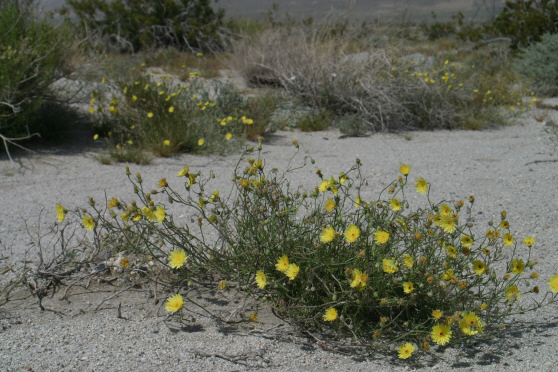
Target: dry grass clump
[
  {"x": 339, "y": 68},
  {"x": 313, "y": 65}
]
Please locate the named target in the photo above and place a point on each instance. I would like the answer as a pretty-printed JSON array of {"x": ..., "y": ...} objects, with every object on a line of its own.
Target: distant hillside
[{"x": 394, "y": 9}]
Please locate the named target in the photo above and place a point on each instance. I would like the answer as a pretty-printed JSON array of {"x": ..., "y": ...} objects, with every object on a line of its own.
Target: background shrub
[
  {"x": 385, "y": 88},
  {"x": 137, "y": 24},
  {"x": 161, "y": 115},
  {"x": 525, "y": 21},
  {"x": 538, "y": 62},
  {"x": 33, "y": 54}
]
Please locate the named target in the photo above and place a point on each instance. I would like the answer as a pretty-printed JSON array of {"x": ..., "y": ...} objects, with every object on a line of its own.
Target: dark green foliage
[
  {"x": 538, "y": 62},
  {"x": 525, "y": 21},
  {"x": 138, "y": 24},
  {"x": 32, "y": 57}
]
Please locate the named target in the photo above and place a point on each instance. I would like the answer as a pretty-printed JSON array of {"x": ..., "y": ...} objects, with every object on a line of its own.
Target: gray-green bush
[{"x": 539, "y": 64}]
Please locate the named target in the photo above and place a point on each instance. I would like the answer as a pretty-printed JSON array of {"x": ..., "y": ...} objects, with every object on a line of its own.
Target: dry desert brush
[
  {"x": 381, "y": 272},
  {"x": 333, "y": 68}
]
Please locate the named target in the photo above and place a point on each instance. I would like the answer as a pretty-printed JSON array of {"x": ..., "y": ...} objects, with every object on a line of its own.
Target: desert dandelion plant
[{"x": 395, "y": 277}]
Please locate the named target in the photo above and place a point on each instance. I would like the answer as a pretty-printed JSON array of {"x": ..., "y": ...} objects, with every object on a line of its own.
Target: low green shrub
[
  {"x": 33, "y": 54},
  {"x": 538, "y": 63},
  {"x": 290, "y": 115},
  {"x": 380, "y": 272},
  {"x": 161, "y": 115}
]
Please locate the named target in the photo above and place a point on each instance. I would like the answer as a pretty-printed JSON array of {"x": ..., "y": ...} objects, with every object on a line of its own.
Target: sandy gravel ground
[{"x": 496, "y": 166}]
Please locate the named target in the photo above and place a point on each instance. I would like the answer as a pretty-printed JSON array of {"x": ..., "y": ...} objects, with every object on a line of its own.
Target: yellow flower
[
  {"x": 448, "y": 274},
  {"x": 470, "y": 324},
  {"x": 160, "y": 214},
  {"x": 466, "y": 241},
  {"x": 406, "y": 350},
  {"x": 553, "y": 283},
  {"x": 254, "y": 317},
  {"x": 389, "y": 265},
  {"x": 150, "y": 115},
  {"x": 282, "y": 263},
  {"x": 405, "y": 169},
  {"x": 408, "y": 261},
  {"x": 358, "y": 201},
  {"x": 508, "y": 239},
  {"x": 191, "y": 179},
  {"x": 327, "y": 235},
  {"x": 112, "y": 203},
  {"x": 125, "y": 216},
  {"x": 505, "y": 225},
  {"x": 445, "y": 210},
  {"x": 166, "y": 143},
  {"x": 183, "y": 172},
  {"x": 177, "y": 258},
  {"x": 174, "y": 303},
  {"x": 359, "y": 280},
  {"x": 201, "y": 141},
  {"x": 323, "y": 186},
  {"x": 448, "y": 224},
  {"x": 148, "y": 213},
  {"x": 451, "y": 251},
  {"x": 513, "y": 294},
  {"x": 441, "y": 334},
  {"x": 330, "y": 315},
  {"x": 479, "y": 267},
  {"x": 395, "y": 205},
  {"x": 292, "y": 271},
  {"x": 91, "y": 109},
  {"x": 352, "y": 233},
  {"x": 330, "y": 205},
  {"x": 171, "y": 109},
  {"x": 437, "y": 314},
  {"x": 261, "y": 279},
  {"x": 517, "y": 266},
  {"x": 125, "y": 263},
  {"x": 88, "y": 223},
  {"x": 381, "y": 237},
  {"x": 222, "y": 285},
  {"x": 408, "y": 287},
  {"x": 421, "y": 186},
  {"x": 228, "y": 136},
  {"x": 95, "y": 137},
  {"x": 529, "y": 241},
  {"x": 60, "y": 213}
]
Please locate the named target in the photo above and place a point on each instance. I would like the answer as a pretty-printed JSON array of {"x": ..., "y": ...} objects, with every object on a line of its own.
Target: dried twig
[
  {"x": 236, "y": 358},
  {"x": 114, "y": 295},
  {"x": 7, "y": 140},
  {"x": 542, "y": 161}
]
